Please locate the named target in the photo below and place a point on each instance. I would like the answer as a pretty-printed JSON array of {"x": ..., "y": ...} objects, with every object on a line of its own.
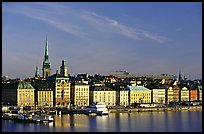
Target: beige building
[
  {"x": 81, "y": 94},
  {"x": 170, "y": 95},
  {"x": 139, "y": 94},
  {"x": 102, "y": 94},
  {"x": 184, "y": 94},
  {"x": 124, "y": 97},
  {"x": 25, "y": 94},
  {"x": 159, "y": 96}
]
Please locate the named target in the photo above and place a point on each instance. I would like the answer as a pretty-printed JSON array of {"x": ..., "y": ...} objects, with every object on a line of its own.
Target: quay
[
  {"x": 59, "y": 111},
  {"x": 156, "y": 109}
]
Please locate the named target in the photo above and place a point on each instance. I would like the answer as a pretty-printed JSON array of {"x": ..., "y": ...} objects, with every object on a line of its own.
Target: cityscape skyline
[{"x": 142, "y": 38}]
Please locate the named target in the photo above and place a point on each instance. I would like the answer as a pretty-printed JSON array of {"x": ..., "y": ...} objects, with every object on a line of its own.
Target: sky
[{"x": 100, "y": 37}]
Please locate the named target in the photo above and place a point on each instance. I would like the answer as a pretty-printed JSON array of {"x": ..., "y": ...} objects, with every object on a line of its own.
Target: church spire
[
  {"x": 46, "y": 50},
  {"x": 46, "y": 63}
]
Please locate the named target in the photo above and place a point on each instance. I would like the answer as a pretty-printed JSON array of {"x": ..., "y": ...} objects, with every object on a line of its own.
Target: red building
[{"x": 193, "y": 95}]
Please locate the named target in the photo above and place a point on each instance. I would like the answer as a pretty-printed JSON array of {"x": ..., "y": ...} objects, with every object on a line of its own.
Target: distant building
[
  {"x": 184, "y": 94},
  {"x": 81, "y": 94},
  {"x": 102, "y": 94},
  {"x": 9, "y": 93},
  {"x": 159, "y": 96},
  {"x": 176, "y": 93},
  {"x": 44, "y": 93},
  {"x": 170, "y": 95},
  {"x": 124, "y": 97},
  {"x": 193, "y": 95},
  {"x": 25, "y": 94},
  {"x": 139, "y": 94}
]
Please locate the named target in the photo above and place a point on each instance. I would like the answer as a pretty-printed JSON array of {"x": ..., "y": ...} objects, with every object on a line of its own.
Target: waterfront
[{"x": 170, "y": 121}]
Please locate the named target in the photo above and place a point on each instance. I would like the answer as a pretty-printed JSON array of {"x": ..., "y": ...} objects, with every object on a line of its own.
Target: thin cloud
[
  {"x": 126, "y": 30},
  {"x": 53, "y": 11},
  {"x": 46, "y": 16}
]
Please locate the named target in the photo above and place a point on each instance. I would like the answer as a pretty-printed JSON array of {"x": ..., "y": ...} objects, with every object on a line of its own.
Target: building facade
[
  {"x": 159, "y": 96},
  {"x": 25, "y": 94},
  {"x": 124, "y": 97},
  {"x": 139, "y": 94},
  {"x": 184, "y": 94},
  {"x": 102, "y": 94},
  {"x": 193, "y": 95},
  {"x": 81, "y": 94},
  {"x": 170, "y": 95}
]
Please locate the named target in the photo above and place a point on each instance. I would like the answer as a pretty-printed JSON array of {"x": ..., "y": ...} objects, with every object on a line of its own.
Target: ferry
[{"x": 98, "y": 108}]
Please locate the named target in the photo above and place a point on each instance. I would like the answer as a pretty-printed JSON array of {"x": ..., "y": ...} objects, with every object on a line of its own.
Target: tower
[
  {"x": 37, "y": 74},
  {"x": 46, "y": 63},
  {"x": 63, "y": 69}
]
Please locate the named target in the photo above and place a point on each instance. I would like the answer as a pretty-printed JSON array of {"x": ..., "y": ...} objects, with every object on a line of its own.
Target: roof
[
  {"x": 101, "y": 88},
  {"x": 81, "y": 84},
  {"x": 138, "y": 88},
  {"x": 25, "y": 85}
]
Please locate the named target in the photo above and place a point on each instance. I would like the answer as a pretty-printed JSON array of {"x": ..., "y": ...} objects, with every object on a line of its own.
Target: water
[{"x": 180, "y": 121}]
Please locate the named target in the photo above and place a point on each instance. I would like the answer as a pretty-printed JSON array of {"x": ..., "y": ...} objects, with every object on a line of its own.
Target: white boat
[
  {"x": 98, "y": 108},
  {"x": 43, "y": 118}
]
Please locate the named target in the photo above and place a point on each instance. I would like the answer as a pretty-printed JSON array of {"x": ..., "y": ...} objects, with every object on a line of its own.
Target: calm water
[{"x": 185, "y": 121}]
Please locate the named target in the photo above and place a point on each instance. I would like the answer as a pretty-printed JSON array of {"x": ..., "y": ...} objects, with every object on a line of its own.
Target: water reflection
[{"x": 115, "y": 122}]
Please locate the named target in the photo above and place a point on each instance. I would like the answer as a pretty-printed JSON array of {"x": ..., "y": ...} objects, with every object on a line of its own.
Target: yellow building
[
  {"x": 170, "y": 95},
  {"x": 159, "y": 95},
  {"x": 62, "y": 91},
  {"x": 25, "y": 94},
  {"x": 102, "y": 94},
  {"x": 139, "y": 94},
  {"x": 44, "y": 93},
  {"x": 81, "y": 94},
  {"x": 184, "y": 94}
]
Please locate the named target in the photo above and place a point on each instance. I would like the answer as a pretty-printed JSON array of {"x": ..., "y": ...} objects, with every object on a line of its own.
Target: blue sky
[{"x": 100, "y": 37}]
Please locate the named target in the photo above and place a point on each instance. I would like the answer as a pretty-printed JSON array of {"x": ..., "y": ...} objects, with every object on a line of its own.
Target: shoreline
[{"x": 155, "y": 109}]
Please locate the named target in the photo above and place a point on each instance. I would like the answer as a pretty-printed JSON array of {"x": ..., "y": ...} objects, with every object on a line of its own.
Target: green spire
[{"x": 46, "y": 50}]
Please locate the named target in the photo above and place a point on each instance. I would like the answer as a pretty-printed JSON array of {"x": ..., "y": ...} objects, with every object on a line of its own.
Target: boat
[
  {"x": 98, "y": 108},
  {"x": 43, "y": 118},
  {"x": 25, "y": 118},
  {"x": 32, "y": 118}
]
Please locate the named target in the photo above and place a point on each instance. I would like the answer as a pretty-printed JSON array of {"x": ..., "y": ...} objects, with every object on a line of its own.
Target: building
[
  {"x": 170, "y": 95},
  {"x": 44, "y": 93},
  {"x": 25, "y": 94},
  {"x": 193, "y": 95},
  {"x": 184, "y": 94},
  {"x": 159, "y": 96},
  {"x": 102, "y": 94},
  {"x": 81, "y": 94},
  {"x": 9, "y": 93},
  {"x": 124, "y": 97},
  {"x": 139, "y": 94},
  {"x": 176, "y": 93}
]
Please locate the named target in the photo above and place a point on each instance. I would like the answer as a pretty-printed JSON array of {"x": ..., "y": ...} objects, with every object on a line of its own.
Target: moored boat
[{"x": 99, "y": 108}]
